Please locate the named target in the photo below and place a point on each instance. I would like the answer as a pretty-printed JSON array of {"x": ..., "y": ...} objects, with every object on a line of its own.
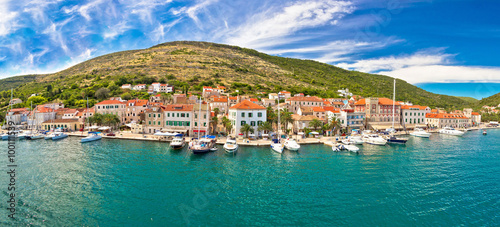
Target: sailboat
[
  {"x": 276, "y": 145},
  {"x": 392, "y": 138},
  {"x": 13, "y": 134},
  {"x": 92, "y": 136},
  {"x": 205, "y": 144},
  {"x": 37, "y": 135}
]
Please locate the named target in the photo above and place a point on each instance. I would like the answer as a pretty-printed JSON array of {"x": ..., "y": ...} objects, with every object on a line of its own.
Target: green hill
[
  {"x": 191, "y": 65},
  {"x": 493, "y": 100}
]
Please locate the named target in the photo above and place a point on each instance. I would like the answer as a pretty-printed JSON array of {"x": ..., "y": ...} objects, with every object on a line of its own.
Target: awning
[
  {"x": 384, "y": 126},
  {"x": 300, "y": 133},
  {"x": 165, "y": 134},
  {"x": 128, "y": 125},
  {"x": 94, "y": 127},
  {"x": 265, "y": 134},
  {"x": 104, "y": 128},
  {"x": 314, "y": 133},
  {"x": 196, "y": 130}
]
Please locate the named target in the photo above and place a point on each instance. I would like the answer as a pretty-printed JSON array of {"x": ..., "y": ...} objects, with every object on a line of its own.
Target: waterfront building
[
  {"x": 115, "y": 107},
  {"x": 201, "y": 119},
  {"x": 268, "y": 102},
  {"x": 43, "y": 113},
  {"x": 300, "y": 123},
  {"x": 18, "y": 116},
  {"x": 70, "y": 114},
  {"x": 440, "y": 120},
  {"x": 351, "y": 119},
  {"x": 246, "y": 112},
  {"x": 84, "y": 114},
  {"x": 135, "y": 110},
  {"x": 178, "y": 118},
  {"x": 154, "y": 119},
  {"x": 414, "y": 116},
  {"x": 66, "y": 124},
  {"x": 475, "y": 118},
  {"x": 379, "y": 112}
]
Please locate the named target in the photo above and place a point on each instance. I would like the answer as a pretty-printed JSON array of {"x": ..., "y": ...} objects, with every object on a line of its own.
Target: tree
[
  {"x": 37, "y": 100},
  {"x": 315, "y": 123},
  {"x": 227, "y": 124},
  {"x": 286, "y": 119},
  {"x": 166, "y": 98},
  {"x": 102, "y": 93},
  {"x": 265, "y": 127},
  {"x": 332, "y": 125},
  {"x": 96, "y": 119},
  {"x": 214, "y": 121},
  {"x": 126, "y": 96},
  {"x": 245, "y": 129}
]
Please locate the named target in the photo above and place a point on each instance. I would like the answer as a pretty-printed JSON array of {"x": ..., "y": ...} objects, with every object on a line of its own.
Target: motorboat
[
  {"x": 351, "y": 148},
  {"x": 451, "y": 131},
  {"x": 374, "y": 139},
  {"x": 420, "y": 133},
  {"x": 22, "y": 135},
  {"x": 485, "y": 133},
  {"x": 93, "y": 136},
  {"x": 354, "y": 140},
  {"x": 230, "y": 146},
  {"x": 203, "y": 145},
  {"x": 277, "y": 146},
  {"x": 5, "y": 136},
  {"x": 396, "y": 140},
  {"x": 59, "y": 136},
  {"x": 291, "y": 144},
  {"x": 35, "y": 136},
  {"x": 178, "y": 142},
  {"x": 49, "y": 136}
]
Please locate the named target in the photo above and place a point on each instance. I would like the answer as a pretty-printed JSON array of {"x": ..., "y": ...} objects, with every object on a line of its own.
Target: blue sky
[{"x": 420, "y": 41}]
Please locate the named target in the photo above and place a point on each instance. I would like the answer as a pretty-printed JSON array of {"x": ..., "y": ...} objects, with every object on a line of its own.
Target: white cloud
[
  {"x": 158, "y": 35},
  {"x": 425, "y": 66},
  {"x": 6, "y": 18},
  {"x": 116, "y": 30},
  {"x": 37, "y": 9},
  {"x": 144, "y": 8},
  {"x": 302, "y": 15},
  {"x": 445, "y": 73},
  {"x": 55, "y": 34},
  {"x": 193, "y": 11},
  {"x": 2, "y": 58}
]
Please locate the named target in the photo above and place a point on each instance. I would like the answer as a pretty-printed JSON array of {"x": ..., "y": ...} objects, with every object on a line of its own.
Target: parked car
[{"x": 110, "y": 134}]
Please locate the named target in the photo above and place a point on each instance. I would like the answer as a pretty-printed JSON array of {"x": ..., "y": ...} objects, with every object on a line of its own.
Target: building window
[
  {"x": 183, "y": 115},
  {"x": 196, "y": 124},
  {"x": 243, "y": 114},
  {"x": 243, "y": 123},
  {"x": 159, "y": 123},
  {"x": 259, "y": 114},
  {"x": 149, "y": 123},
  {"x": 250, "y": 114},
  {"x": 187, "y": 115},
  {"x": 252, "y": 123}
]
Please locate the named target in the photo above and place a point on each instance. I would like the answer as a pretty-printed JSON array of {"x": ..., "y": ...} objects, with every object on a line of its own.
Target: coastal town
[{"x": 215, "y": 112}]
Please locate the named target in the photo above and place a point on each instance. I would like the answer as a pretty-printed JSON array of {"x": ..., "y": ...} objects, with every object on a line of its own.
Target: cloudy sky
[{"x": 416, "y": 40}]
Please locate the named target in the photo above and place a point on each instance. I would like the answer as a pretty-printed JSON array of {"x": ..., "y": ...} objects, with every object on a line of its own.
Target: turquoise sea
[{"x": 441, "y": 181}]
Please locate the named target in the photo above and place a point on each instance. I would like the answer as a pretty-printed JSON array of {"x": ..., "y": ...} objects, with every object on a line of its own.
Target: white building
[
  {"x": 246, "y": 112},
  {"x": 344, "y": 92},
  {"x": 351, "y": 119},
  {"x": 126, "y": 86},
  {"x": 178, "y": 118},
  {"x": 156, "y": 87},
  {"x": 139, "y": 87},
  {"x": 414, "y": 115}
]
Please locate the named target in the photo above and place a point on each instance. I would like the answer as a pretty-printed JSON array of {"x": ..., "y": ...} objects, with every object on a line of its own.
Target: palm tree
[
  {"x": 265, "y": 127},
  {"x": 227, "y": 124},
  {"x": 215, "y": 122},
  {"x": 315, "y": 123},
  {"x": 272, "y": 117},
  {"x": 246, "y": 128},
  {"x": 334, "y": 124},
  {"x": 286, "y": 119}
]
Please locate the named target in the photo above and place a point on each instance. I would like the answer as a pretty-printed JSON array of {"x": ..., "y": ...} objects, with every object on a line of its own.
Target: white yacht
[
  {"x": 59, "y": 135},
  {"x": 355, "y": 140},
  {"x": 352, "y": 148},
  {"x": 22, "y": 135},
  {"x": 277, "y": 146},
  {"x": 374, "y": 139},
  {"x": 230, "y": 146},
  {"x": 291, "y": 144},
  {"x": 451, "y": 131},
  {"x": 178, "y": 142},
  {"x": 420, "y": 133}
]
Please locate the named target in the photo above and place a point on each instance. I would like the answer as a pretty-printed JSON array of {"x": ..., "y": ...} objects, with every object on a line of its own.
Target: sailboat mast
[
  {"x": 208, "y": 125},
  {"x": 199, "y": 122},
  {"x": 279, "y": 121},
  {"x": 31, "y": 109},
  {"x": 394, "y": 104}
]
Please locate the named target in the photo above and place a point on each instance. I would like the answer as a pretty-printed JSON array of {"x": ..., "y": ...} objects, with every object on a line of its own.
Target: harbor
[{"x": 132, "y": 182}]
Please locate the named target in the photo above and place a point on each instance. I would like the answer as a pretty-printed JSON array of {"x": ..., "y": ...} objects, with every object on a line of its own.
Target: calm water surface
[{"x": 441, "y": 181}]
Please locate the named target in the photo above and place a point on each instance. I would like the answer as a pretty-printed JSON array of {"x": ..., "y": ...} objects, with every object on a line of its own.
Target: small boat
[
  {"x": 178, "y": 142},
  {"x": 396, "y": 140},
  {"x": 451, "y": 131},
  {"x": 93, "y": 136},
  {"x": 277, "y": 146},
  {"x": 354, "y": 140},
  {"x": 5, "y": 136},
  {"x": 420, "y": 133},
  {"x": 203, "y": 145},
  {"x": 230, "y": 146},
  {"x": 374, "y": 139},
  {"x": 35, "y": 136},
  {"x": 22, "y": 135},
  {"x": 291, "y": 144},
  {"x": 59, "y": 136},
  {"x": 351, "y": 148},
  {"x": 338, "y": 147},
  {"x": 485, "y": 133},
  {"x": 214, "y": 148}
]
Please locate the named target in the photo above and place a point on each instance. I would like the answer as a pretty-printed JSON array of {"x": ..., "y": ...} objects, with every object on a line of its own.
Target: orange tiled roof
[
  {"x": 475, "y": 113},
  {"x": 247, "y": 105},
  {"x": 318, "y": 109},
  {"x": 220, "y": 99},
  {"x": 107, "y": 102},
  {"x": 179, "y": 107},
  {"x": 331, "y": 109},
  {"x": 18, "y": 109},
  {"x": 445, "y": 115},
  {"x": 406, "y": 107},
  {"x": 253, "y": 100},
  {"x": 297, "y": 117},
  {"x": 381, "y": 101},
  {"x": 307, "y": 99},
  {"x": 233, "y": 98}
]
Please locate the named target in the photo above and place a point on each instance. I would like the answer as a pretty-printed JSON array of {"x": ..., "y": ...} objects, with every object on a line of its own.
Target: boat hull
[
  {"x": 277, "y": 148},
  {"x": 230, "y": 149},
  {"x": 85, "y": 140},
  {"x": 200, "y": 151},
  {"x": 59, "y": 137},
  {"x": 177, "y": 146},
  {"x": 421, "y": 135}
]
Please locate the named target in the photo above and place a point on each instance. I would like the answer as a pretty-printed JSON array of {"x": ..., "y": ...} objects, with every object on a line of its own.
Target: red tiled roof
[
  {"x": 406, "y": 107},
  {"x": 338, "y": 103},
  {"x": 18, "y": 109},
  {"x": 247, "y": 105},
  {"x": 233, "y": 98},
  {"x": 179, "y": 107},
  {"x": 381, "y": 101},
  {"x": 445, "y": 115},
  {"x": 107, "y": 102},
  {"x": 331, "y": 109},
  {"x": 220, "y": 99},
  {"x": 70, "y": 111},
  {"x": 475, "y": 113},
  {"x": 318, "y": 109},
  {"x": 307, "y": 99},
  {"x": 138, "y": 102},
  {"x": 253, "y": 100}
]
